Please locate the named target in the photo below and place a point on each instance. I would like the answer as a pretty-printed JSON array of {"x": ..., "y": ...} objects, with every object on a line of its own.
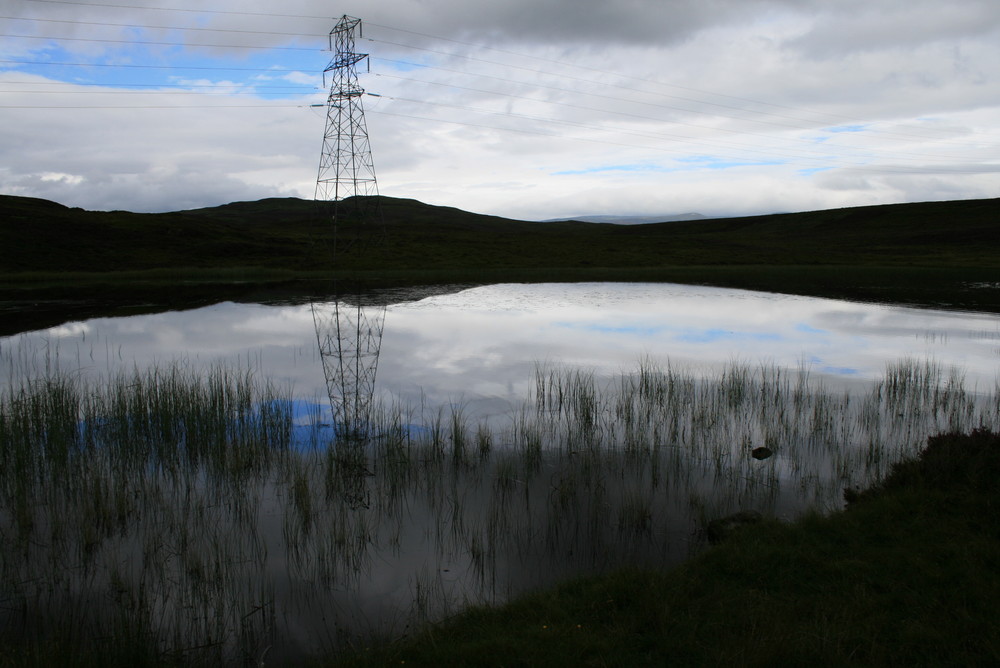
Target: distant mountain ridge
[{"x": 631, "y": 220}]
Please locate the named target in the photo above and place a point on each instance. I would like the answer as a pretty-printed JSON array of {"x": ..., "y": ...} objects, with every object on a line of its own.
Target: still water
[
  {"x": 458, "y": 446},
  {"x": 479, "y": 347}
]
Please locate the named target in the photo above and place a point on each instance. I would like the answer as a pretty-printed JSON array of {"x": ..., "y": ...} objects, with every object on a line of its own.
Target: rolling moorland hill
[
  {"x": 42, "y": 236},
  {"x": 58, "y": 263}
]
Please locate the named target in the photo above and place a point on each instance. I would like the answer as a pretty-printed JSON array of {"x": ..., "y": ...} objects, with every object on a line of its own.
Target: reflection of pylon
[
  {"x": 350, "y": 338},
  {"x": 346, "y": 169}
]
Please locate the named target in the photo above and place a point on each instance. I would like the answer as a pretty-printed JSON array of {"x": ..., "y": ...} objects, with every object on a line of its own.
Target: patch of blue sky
[
  {"x": 267, "y": 73},
  {"x": 711, "y": 162},
  {"x": 858, "y": 127},
  {"x": 634, "y": 168},
  {"x": 809, "y": 171},
  {"x": 716, "y": 335}
]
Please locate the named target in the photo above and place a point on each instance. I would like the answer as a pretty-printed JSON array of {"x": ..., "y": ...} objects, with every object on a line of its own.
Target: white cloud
[{"x": 524, "y": 109}]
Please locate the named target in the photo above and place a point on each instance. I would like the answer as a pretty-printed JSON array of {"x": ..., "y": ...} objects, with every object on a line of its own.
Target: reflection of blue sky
[
  {"x": 478, "y": 348},
  {"x": 688, "y": 335},
  {"x": 716, "y": 335},
  {"x": 808, "y": 329},
  {"x": 629, "y": 330},
  {"x": 839, "y": 370}
]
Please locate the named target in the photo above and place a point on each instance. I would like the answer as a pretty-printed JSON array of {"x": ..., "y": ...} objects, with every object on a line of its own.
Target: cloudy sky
[{"x": 524, "y": 108}]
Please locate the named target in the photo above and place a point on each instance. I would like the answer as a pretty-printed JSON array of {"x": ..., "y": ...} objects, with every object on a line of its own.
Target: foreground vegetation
[
  {"x": 907, "y": 575},
  {"x": 57, "y": 259},
  {"x": 170, "y": 516}
]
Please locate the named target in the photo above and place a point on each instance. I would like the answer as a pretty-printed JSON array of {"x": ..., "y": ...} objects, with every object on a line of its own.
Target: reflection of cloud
[
  {"x": 479, "y": 347},
  {"x": 70, "y": 329}
]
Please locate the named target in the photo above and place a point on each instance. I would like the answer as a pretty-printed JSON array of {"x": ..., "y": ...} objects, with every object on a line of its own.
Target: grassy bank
[{"x": 907, "y": 575}]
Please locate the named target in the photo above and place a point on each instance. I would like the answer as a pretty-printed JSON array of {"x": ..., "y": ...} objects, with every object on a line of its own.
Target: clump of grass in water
[
  {"x": 125, "y": 505},
  {"x": 156, "y": 490}
]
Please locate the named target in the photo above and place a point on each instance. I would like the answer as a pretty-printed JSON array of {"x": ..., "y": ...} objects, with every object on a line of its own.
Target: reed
[{"x": 172, "y": 509}]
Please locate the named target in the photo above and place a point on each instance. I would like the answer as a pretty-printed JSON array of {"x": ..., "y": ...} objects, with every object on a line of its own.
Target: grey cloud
[
  {"x": 594, "y": 22},
  {"x": 843, "y": 28}
]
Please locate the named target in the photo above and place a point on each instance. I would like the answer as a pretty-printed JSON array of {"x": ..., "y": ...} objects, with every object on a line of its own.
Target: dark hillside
[
  {"x": 37, "y": 235},
  {"x": 53, "y": 258},
  {"x": 930, "y": 232}
]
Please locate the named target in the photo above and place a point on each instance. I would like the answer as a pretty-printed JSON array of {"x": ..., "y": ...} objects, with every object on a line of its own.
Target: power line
[
  {"x": 153, "y": 106},
  {"x": 134, "y": 85},
  {"x": 781, "y": 154},
  {"x": 812, "y": 123},
  {"x": 711, "y": 143},
  {"x": 841, "y": 120},
  {"x": 863, "y": 167},
  {"x": 155, "y": 43},
  {"x": 830, "y": 117},
  {"x": 479, "y": 75},
  {"x": 627, "y": 114},
  {"x": 621, "y": 131},
  {"x": 138, "y": 93},
  {"x": 149, "y": 27},
  {"x": 175, "y": 9},
  {"x": 822, "y": 157},
  {"x": 151, "y": 67},
  {"x": 798, "y": 119},
  {"x": 556, "y": 88}
]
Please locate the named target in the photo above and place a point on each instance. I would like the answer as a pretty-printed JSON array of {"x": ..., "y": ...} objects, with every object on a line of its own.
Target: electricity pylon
[
  {"x": 349, "y": 336},
  {"x": 346, "y": 170}
]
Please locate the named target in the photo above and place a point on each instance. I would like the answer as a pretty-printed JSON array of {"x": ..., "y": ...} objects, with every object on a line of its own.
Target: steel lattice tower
[
  {"x": 349, "y": 335},
  {"x": 346, "y": 169}
]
